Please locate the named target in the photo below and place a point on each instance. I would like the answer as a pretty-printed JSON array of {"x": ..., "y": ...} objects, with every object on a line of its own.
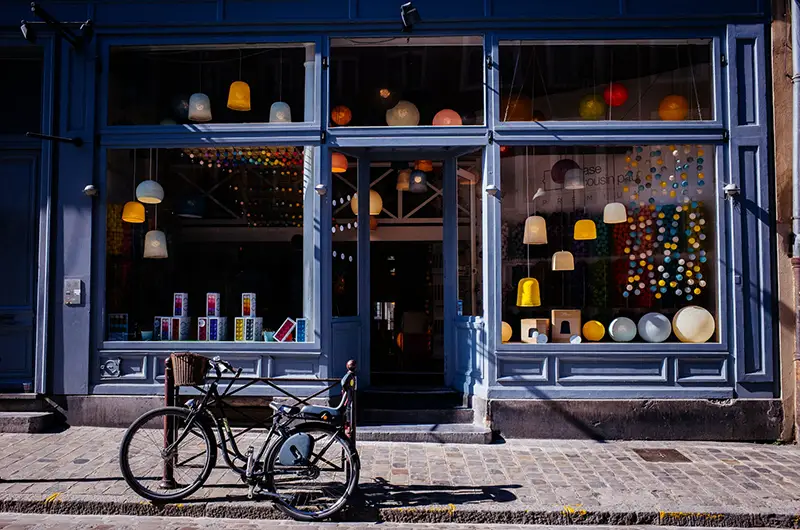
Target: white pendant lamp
[
  {"x": 155, "y": 245},
  {"x": 535, "y": 231},
  {"x": 563, "y": 261},
  {"x": 404, "y": 113},
  {"x": 199, "y": 107},
  {"x": 573, "y": 179},
  {"x": 614, "y": 213},
  {"x": 280, "y": 112},
  {"x": 149, "y": 191}
]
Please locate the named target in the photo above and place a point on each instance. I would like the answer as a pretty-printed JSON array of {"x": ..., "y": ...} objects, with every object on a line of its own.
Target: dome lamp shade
[
  {"x": 447, "y": 117},
  {"x": 424, "y": 165},
  {"x": 199, "y": 108},
  {"x": 654, "y": 327},
  {"x": 239, "y": 96},
  {"x": 506, "y": 332},
  {"x": 404, "y": 114},
  {"x": 280, "y": 112},
  {"x": 622, "y": 329},
  {"x": 375, "y": 203},
  {"x": 403, "y": 180},
  {"x": 133, "y": 212},
  {"x": 149, "y": 192},
  {"x": 614, "y": 213},
  {"x": 693, "y": 324},
  {"x": 535, "y": 231},
  {"x": 338, "y": 163},
  {"x": 573, "y": 179},
  {"x": 585, "y": 230},
  {"x": 419, "y": 182},
  {"x": 559, "y": 170},
  {"x": 155, "y": 245},
  {"x": 528, "y": 294},
  {"x": 563, "y": 260}
]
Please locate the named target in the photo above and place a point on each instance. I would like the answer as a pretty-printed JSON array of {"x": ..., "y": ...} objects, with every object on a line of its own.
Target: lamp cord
[
  {"x": 134, "y": 173},
  {"x": 528, "y": 206}
]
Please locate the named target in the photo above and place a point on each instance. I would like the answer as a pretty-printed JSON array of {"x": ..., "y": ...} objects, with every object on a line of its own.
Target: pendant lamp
[
  {"x": 150, "y": 191},
  {"x": 563, "y": 261},
  {"x": 535, "y": 231},
  {"x": 573, "y": 179},
  {"x": 528, "y": 294},
  {"x": 280, "y": 112},
  {"x": 155, "y": 245},
  {"x": 419, "y": 182},
  {"x": 404, "y": 113},
  {"x": 614, "y": 213},
  {"x": 338, "y": 163},
  {"x": 375, "y": 203},
  {"x": 585, "y": 230},
  {"x": 239, "y": 93},
  {"x": 199, "y": 107},
  {"x": 133, "y": 211},
  {"x": 424, "y": 165},
  {"x": 403, "y": 180},
  {"x": 447, "y": 117},
  {"x": 506, "y": 332}
]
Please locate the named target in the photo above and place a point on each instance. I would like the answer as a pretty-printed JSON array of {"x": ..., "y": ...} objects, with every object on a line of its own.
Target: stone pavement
[{"x": 517, "y": 482}]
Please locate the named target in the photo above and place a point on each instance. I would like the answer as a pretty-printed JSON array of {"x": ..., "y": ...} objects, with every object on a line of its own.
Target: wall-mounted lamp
[
  {"x": 492, "y": 190},
  {"x": 410, "y": 16},
  {"x": 321, "y": 189},
  {"x": 731, "y": 190},
  {"x": 76, "y": 40},
  {"x": 90, "y": 190}
]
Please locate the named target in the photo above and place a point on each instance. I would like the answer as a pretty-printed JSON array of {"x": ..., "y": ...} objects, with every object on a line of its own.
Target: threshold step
[
  {"x": 411, "y": 399},
  {"x": 456, "y": 433},
  {"x": 26, "y": 422},
  {"x": 382, "y": 416}
]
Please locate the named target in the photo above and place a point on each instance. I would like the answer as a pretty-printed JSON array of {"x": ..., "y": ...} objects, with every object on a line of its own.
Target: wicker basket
[{"x": 188, "y": 369}]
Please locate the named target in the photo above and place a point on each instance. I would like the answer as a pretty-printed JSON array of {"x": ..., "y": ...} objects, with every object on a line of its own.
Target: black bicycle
[{"x": 307, "y": 464}]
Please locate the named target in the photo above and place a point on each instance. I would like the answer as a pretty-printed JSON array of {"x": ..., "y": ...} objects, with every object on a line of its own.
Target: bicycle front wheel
[
  {"x": 165, "y": 458},
  {"x": 314, "y": 474}
]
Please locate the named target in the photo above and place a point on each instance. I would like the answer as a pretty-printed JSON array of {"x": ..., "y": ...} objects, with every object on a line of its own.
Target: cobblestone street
[{"x": 520, "y": 481}]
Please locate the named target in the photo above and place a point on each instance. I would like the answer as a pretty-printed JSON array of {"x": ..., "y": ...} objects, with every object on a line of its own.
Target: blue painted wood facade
[{"x": 71, "y": 241}]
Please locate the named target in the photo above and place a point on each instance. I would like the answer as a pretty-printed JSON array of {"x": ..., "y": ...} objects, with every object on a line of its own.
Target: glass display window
[{"x": 609, "y": 244}]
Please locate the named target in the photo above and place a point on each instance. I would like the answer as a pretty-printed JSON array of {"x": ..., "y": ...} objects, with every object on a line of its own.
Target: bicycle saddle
[
  {"x": 321, "y": 413},
  {"x": 283, "y": 409}
]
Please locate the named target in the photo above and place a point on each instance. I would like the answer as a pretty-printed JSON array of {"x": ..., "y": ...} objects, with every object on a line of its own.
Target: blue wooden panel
[
  {"x": 428, "y": 9},
  {"x": 346, "y": 339},
  {"x": 522, "y": 370},
  {"x": 123, "y": 367},
  {"x": 693, "y": 8},
  {"x": 746, "y": 99},
  {"x": 544, "y": 9},
  {"x": 280, "y": 11},
  {"x": 709, "y": 370},
  {"x": 589, "y": 369},
  {"x": 152, "y": 11},
  {"x": 288, "y": 367}
]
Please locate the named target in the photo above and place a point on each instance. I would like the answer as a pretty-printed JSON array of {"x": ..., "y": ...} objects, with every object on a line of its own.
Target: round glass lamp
[
  {"x": 155, "y": 245},
  {"x": 375, "y": 203},
  {"x": 403, "y": 180},
  {"x": 404, "y": 114},
  {"x": 535, "y": 231},
  {"x": 585, "y": 230},
  {"x": 693, "y": 324},
  {"x": 419, "y": 182},
  {"x": 528, "y": 294},
  {"x": 573, "y": 179},
  {"x": 506, "y": 332},
  {"x": 614, "y": 213},
  {"x": 149, "y": 192},
  {"x": 338, "y": 163},
  {"x": 594, "y": 331},
  {"x": 447, "y": 117},
  {"x": 622, "y": 329},
  {"x": 133, "y": 212},
  {"x": 563, "y": 261},
  {"x": 199, "y": 107},
  {"x": 239, "y": 96},
  {"x": 280, "y": 112},
  {"x": 654, "y": 327}
]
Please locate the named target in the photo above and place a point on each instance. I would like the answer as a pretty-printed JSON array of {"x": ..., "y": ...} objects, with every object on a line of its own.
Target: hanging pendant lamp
[
  {"x": 585, "y": 230},
  {"x": 528, "y": 294},
  {"x": 338, "y": 163},
  {"x": 199, "y": 107},
  {"x": 155, "y": 245},
  {"x": 535, "y": 231},
  {"x": 573, "y": 179},
  {"x": 239, "y": 93},
  {"x": 614, "y": 213},
  {"x": 563, "y": 261},
  {"x": 133, "y": 211},
  {"x": 403, "y": 180},
  {"x": 419, "y": 182},
  {"x": 375, "y": 203},
  {"x": 280, "y": 112},
  {"x": 150, "y": 191},
  {"x": 423, "y": 165}
]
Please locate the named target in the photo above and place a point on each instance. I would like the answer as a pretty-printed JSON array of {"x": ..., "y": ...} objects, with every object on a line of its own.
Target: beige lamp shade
[
  {"x": 614, "y": 213},
  {"x": 149, "y": 192},
  {"x": 404, "y": 113},
  {"x": 585, "y": 229},
  {"x": 133, "y": 212},
  {"x": 535, "y": 231},
  {"x": 563, "y": 261},
  {"x": 239, "y": 96},
  {"x": 155, "y": 245},
  {"x": 338, "y": 163},
  {"x": 375, "y": 203},
  {"x": 573, "y": 179},
  {"x": 404, "y": 180},
  {"x": 528, "y": 293},
  {"x": 693, "y": 324},
  {"x": 506, "y": 332},
  {"x": 199, "y": 108}
]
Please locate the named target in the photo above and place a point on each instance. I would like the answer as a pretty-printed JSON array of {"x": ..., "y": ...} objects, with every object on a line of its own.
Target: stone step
[
  {"x": 455, "y": 433},
  {"x": 27, "y": 422},
  {"x": 19, "y": 402},
  {"x": 374, "y": 416}
]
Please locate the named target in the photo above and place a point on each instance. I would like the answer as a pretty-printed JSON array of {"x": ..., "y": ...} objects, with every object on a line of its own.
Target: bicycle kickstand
[{"x": 251, "y": 461}]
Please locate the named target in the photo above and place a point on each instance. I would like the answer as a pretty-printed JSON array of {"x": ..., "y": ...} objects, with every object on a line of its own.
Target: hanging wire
[
  {"x": 280, "y": 76},
  {"x": 134, "y": 173},
  {"x": 528, "y": 205},
  {"x": 610, "y": 80},
  {"x": 694, "y": 84},
  {"x": 240, "y": 65},
  {"x": 513, "y": 79}
]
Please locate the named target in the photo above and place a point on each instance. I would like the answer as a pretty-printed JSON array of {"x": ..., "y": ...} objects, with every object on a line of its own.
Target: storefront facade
[{"x": 529, "y": 204}]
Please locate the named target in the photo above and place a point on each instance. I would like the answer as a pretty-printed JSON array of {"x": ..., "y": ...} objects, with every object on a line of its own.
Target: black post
[
  {"x": 167, "y": 474},
  {"x": 351, "y": 368}
]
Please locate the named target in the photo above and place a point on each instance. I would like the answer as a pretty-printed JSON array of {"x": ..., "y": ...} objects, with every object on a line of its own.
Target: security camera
[
  {"x": 409, "y": 15},
  {"x": 27, "y": 32}
]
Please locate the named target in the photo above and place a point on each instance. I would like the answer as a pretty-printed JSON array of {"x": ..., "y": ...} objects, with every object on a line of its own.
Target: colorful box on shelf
[
  {"x": 248, "y": 304},
  {"x": 217, "y": 328},
  {"x": 248, "y": 329},
  {"x": 180, "y": 304},
  {"x": 118, "y": 326},
  {"x": 212, "y": 304},
  {"x": 171, "y": 328},
  {"x": 284, "y": 333},
  {"x": 301, "y": 330}
]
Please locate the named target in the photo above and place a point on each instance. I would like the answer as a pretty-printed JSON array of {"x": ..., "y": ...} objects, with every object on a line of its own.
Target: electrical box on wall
[{"x": 73, "y": 291}]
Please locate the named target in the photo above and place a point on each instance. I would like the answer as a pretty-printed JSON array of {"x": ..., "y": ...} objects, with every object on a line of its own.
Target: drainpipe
[{"x": 796, "y": 202}]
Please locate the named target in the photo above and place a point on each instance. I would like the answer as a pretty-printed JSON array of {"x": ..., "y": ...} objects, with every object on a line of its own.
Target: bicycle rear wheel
[
  {"x": 143, "y": 459},
  {"x": 318, "y": 486}
]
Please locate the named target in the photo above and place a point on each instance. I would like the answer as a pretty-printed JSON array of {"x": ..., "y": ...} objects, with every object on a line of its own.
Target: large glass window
[
  {"x": 22, "y": 91},
  {"x": 609, "y": 244},
  {"x": 607, "y": 80},
  {"x": 222, "y": 84},
  {"x": 407, "y": 81},
  {"x": 207, "y": 244}
]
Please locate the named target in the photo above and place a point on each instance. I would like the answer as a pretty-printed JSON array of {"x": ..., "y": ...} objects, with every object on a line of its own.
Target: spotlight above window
[{"x": 409, "y": 16}]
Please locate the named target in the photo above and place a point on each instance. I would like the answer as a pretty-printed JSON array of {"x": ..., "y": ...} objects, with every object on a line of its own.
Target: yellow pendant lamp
[
  {"x": 133, "y": 211},
  {"x": 563, "y": 261},
  {"x": 239, "y": 93},
  {"x": 338, "y": 163},
  {"x": 528, "y": 294},
  {"x": 585, "y": 230}
]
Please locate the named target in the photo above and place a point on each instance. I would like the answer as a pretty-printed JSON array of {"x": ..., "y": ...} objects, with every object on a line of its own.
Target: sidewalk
[{"x": 517, "y": 482}]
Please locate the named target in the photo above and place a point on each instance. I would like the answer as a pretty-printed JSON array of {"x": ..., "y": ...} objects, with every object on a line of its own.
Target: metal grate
[{"x": 661, "y": 455}]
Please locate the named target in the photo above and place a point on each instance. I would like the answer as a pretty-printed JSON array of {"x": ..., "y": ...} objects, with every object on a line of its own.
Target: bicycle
[{"x": 304, "y": 444}]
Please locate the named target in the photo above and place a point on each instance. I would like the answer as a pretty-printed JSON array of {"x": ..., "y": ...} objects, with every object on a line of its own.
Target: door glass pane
[
  {"x": 221, "y": 257},
  {"x": 606, "y": 80},
  {"x": 264, "y": 83},
  {"x": 407, "y": 81},
  {"x": 470, "y": 269},
  {"x": 345, "y": 236},
  {"x": 618, "y": 244}
]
